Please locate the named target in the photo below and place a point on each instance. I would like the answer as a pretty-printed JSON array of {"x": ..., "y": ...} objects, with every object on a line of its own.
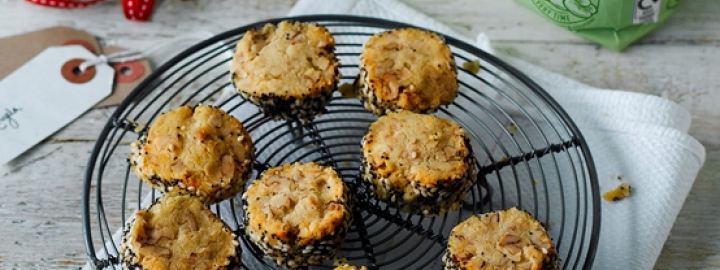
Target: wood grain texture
[{"x": 40, "y": 207}]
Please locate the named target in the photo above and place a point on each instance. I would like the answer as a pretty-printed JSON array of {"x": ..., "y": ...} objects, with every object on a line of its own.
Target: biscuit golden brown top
[
  {"x": 508, "y": 239},
  {"x": 179, "y": 232},
  {"x": 299, "y": 203},
  {"x": 204, "y": 149},
  {"x": 410, "y": 68},
  {"x": 406, "y": 146},
  {"x": 292, "y": 59}
]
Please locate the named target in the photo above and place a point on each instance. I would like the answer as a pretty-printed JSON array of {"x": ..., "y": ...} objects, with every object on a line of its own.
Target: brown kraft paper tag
[{"x": 19, "y": 49}]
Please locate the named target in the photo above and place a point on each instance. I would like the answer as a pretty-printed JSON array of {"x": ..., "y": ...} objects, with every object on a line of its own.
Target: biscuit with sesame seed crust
[
  {"x": 506, "y": 239},
  {"x": 298, "y": 213},
  {"x": 178, "y": 232},
  {"x": 201, "y": 151},
  {"x": 420, "y": 163},
  {"x": 407, "y": 69},
  {"x": 289, "y": 70}
]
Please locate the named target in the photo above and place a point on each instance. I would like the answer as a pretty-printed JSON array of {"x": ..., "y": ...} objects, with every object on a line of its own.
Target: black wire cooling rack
[{"x": 529, "y": 153}]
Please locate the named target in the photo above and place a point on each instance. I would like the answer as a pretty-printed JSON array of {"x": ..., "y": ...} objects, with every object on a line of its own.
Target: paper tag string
[
  {"x": 118, "y": 57},
  {"x": 133, "y": 55},
  {"x": 134, "y": 10}
]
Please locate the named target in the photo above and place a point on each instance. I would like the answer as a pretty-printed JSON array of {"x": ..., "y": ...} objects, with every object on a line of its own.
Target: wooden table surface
[{"x": 40, "y": 218}]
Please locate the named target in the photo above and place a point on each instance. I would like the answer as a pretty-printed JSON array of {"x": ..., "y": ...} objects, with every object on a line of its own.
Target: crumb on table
[
  {"x": 512, "y": 129},
  {"x": 472, "y": 66},
  {"x": 620, "y": 192}
]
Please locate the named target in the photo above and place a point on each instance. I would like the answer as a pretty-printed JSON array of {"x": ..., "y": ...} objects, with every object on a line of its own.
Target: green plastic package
[{"x": 614, "y": 24}]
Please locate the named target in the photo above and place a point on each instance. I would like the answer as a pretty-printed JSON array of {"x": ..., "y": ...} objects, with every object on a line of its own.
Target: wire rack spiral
[{"x": 529, "y": 153}]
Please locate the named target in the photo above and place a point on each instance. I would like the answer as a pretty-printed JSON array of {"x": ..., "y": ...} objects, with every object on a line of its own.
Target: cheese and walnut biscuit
[
  {"x": 406, "y": 69},
  {"x": 506, "y": 239},
  {"x": 201, "y": 151},
  {"x": 298, "y": 213},
  {"x": 289, "y": 70},
  {"x": 350, "y": 267},
  {"x": 420, "y": 163},
  {"x": 178, "y": 232}
]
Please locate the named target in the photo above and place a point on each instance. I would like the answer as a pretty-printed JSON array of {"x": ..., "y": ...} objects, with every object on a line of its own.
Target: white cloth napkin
[{"x": 639, "y": 137}]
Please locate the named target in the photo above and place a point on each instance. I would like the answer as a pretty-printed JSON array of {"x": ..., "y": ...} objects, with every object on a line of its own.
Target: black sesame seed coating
[{"x": 279, "y": 108}]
